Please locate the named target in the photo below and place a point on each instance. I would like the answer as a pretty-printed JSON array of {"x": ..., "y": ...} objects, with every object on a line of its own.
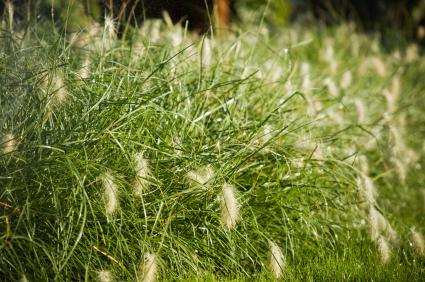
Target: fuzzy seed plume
[
  {"x": 276, "y": 260},
  {"x": 392, "y": 95},
  {"x": 371, "y": 143},
  {"x": 367, "y": 189},
  {"x": 392, "y": 234},
  {"x": 61, "y": 95},
  {"x": 314, "y": 106},
  {"x": 90, "y": 38},
  {"x": 391, "y": 103},
  {"x": 289, "y": 88},
  {"x": 402, "y": 156},
  {"x": 333, "y": 67},
  {"x": 361, "y": 111},
  {"x": 110, "y": 28},
  {"x": 384, "y": 250},
  {"x": 417, "y": 242},
  {"x": 396, "y": 86},
  {"x": 375, "y": 222},
  {"x": 153, "y": 30},
  {"x": 107, "y": 35},
  {"x": 311, "y": 147},
  {"x": 141, "y": 166},
  {"x": 305, "y": 73},
  {"x": 275, "y": 72},
  {"x": 328, "y": 55},
  {"x": 207, "y": 52},
  {"x": 104, "y": 276},
  {"x": 110, "y": 193},
  {"x": 329, "y": 52},
  {"x": 337, "y": 117},
  {"x": 333, "y": 89},
  {"x": 378, "y": 65},
  {"x": 266, "y": 134},
  {"x": 10, "y": 12},
  {"x": 379, "y": 225},
  {"x": 149, "y": 268},
  {"x": 8, "y": 143},
  {"x": 85, "y": 69},
  {"x": 364, "y": 164},
  {"x": 229, "y": 206},
  {"x": 346, "y": 79},
  {"x": 400, "y": 167},
  {"x": 397, "y": 133},
  {"x": 57, "y": 90},
  {"x": 175, "y": 35},
  {"x": 397, "y": 55},
  {"x": 412, "y": 53},
  {"x": 137, "y": 52},
  {"x": 201, "y": 176}
]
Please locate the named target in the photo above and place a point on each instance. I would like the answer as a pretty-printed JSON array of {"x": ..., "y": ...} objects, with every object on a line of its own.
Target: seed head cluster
[
  {"x": 149, "y": 268},
  {"x": 379, "y": 225},
  {"x": 110, "y": 193},
  {"x": 104, "y": 276},
  {"x": 110, "y": 29},
  {"x": 201, "y": 177},
  {"x": 141, "y": 166},
  {"x": 417, "y": 242},
  {"x": 276, "y": 260},
  {"x": 229, "y": 206},
  {"x": 8, "y": 143},
  {"x": 384, "y": 250}
]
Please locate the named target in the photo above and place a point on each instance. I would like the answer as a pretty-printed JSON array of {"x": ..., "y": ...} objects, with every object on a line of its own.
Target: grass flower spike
[
  {"x": 149, "y": 268},
  {"x": 229, "y": 206},
  {"x": 8, "y": 143},
  {"x": 104, "y": 276},
  {"x": 384, "y": 250},
  {"x": 276, "y": 260},
  {"x": 110, "y": 193},
  {"x": 201, "y": 176},
  {"x": 417, "y": 242},
  {"x": 142, "y": 173}
]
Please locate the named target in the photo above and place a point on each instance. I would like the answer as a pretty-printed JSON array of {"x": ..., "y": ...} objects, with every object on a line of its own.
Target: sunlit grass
[{"x": 179, "y": 156}]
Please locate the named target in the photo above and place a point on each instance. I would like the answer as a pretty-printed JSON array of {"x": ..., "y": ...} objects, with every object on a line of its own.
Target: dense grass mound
[{"x": 178, "y": 156}]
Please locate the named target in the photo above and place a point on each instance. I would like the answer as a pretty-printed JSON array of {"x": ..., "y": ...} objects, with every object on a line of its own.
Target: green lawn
[{"x": 294, "y": 154}]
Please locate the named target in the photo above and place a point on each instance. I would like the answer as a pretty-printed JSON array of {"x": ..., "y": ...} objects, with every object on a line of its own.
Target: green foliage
[{"x": 284, "y": 119}]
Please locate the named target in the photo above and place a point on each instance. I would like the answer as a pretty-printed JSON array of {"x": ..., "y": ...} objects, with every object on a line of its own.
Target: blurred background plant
[
  {"x": 286, "y": 149},
  {"x": 407, "y": 17}
]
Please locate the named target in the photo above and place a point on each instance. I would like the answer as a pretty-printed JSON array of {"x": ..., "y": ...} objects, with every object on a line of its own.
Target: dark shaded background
[{"x": 407, "y": 17}]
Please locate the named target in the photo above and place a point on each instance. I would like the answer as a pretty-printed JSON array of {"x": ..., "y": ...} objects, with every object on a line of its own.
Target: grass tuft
[{"x": 175, "y": 156}]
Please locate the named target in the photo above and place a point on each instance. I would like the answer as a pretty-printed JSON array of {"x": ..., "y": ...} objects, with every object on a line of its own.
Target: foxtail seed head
[
  {"x": 384, "y": 250},
  {"x": 104, "y": 276},
  {"x": 229, "y": 206},
  {"x": 201, "y": 176},
  {"x": 110, "y": 193},
  {"x": 276, "y": 260},
  {"x": 141, "y": 166},
  {"x": 149, "y": 268},
  {"x": 8, "y": 143},
  {"x": 417, "y": 242}
]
